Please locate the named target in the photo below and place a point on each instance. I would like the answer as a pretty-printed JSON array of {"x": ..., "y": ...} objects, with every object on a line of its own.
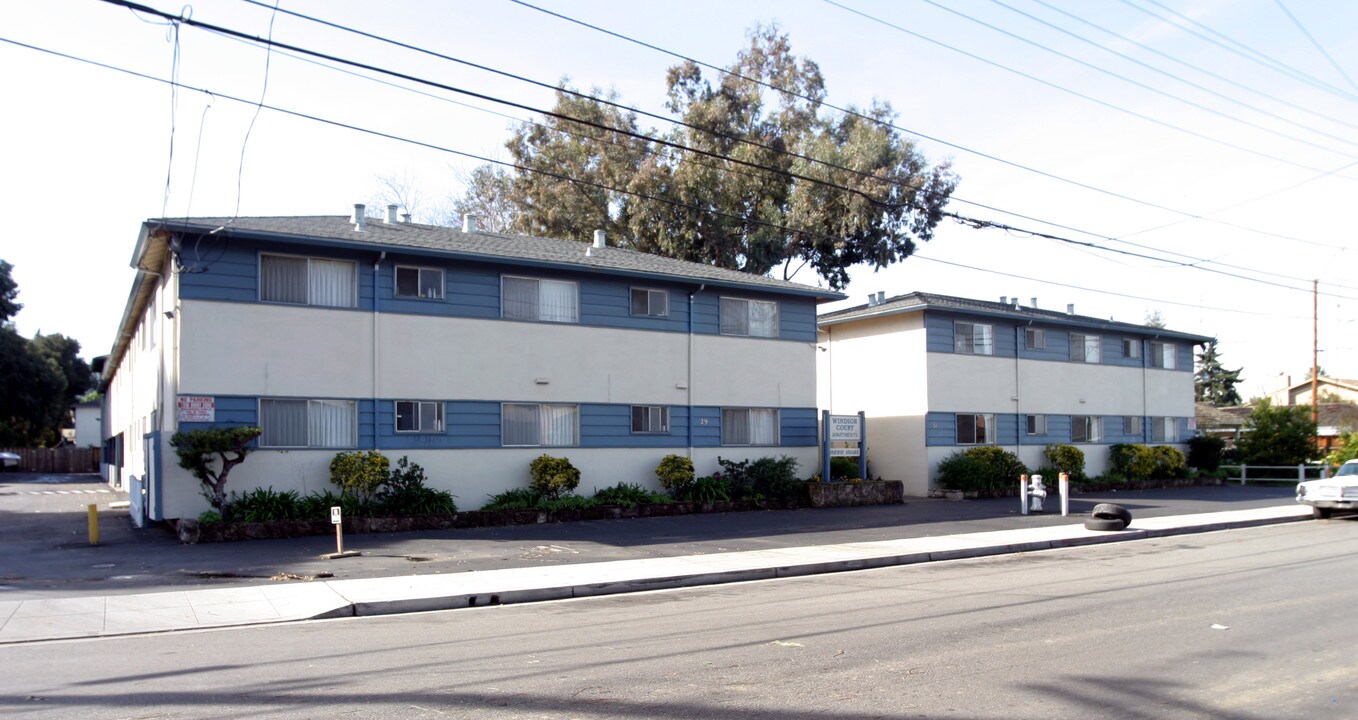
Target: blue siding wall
[
  {"x": 939, "y": 332},
  {"x": 476, "y": 424},
  {"x": 800, "y": 427},
  {"x": 228, "y": 270},
  {"x": 1114, "y": 431},
  {"x": 940, "y": 429}
]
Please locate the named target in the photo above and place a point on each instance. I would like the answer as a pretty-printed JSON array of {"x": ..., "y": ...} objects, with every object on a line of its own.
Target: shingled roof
[
  {"x": 480, "y": 245},
  {"x": 917, "y": 301}
]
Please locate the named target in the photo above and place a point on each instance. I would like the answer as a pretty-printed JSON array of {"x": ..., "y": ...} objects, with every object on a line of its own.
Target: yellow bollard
[{"x": 94, "y": 524}]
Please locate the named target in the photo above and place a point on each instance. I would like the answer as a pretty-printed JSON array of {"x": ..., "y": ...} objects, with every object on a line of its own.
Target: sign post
[
  {"x": 844, "y": 429},
  {"x": 337, "y": 520}
]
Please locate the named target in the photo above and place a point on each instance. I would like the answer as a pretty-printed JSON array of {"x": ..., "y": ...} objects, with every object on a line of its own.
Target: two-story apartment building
[
  {"x": 935, "y": 373},
  {"x": 469, "y": 352}
]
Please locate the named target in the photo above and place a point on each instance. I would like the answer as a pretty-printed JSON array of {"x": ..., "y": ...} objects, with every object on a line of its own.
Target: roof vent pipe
[
  {"x": 359, "y": 218},
  {"x": 469, "y": 223},
  {"x": 872, "y": 300},
  {"x": 1032, "y": 303},
  {"x": 405, "y": 217},
  {"x": 1004, "y": 299},
  {"x": 881, "y": 296},
  {"x": 600, "y": 240},
  {"x": 391, "y": 214},
  {"x": 1070, "y": 309}
]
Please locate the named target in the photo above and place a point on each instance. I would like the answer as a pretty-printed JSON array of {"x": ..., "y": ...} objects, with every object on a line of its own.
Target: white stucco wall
[{"x": 878, "y": 366}]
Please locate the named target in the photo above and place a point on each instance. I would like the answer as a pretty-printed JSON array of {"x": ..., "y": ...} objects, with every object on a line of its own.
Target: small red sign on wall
[{"x": 197, "y": 408}]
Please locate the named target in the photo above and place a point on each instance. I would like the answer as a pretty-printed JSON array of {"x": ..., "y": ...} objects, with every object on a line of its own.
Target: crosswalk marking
[{"x": 68, "y": 492}]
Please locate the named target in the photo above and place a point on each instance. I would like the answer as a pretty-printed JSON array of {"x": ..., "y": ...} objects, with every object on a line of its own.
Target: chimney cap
[{"x": 468, "y": 223}]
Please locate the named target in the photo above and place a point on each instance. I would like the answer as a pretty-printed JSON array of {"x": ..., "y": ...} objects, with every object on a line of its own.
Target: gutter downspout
[
  {"x": 376, "y": 356},
  {"x": 689, "y": 383},
  {"x": 1020, "y": 428}
]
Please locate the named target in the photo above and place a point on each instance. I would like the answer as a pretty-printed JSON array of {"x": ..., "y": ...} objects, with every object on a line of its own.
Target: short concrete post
[
  {"x": 92, "y": 513},
  {"x": 1242, "y": 473},
  {"x": 1301, "y": 472},
  {"x": 1063, "y": 480},
  {"x": 1023, "y": 494}
]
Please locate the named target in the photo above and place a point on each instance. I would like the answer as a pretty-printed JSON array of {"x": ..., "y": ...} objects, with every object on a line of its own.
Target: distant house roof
[
  {"x": 1211, "y": 417},
  {"x": 916, "y": 301}
]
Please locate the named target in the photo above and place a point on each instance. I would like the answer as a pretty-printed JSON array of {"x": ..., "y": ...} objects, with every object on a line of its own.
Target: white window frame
[
  {"x": 741, "y": 322},
  {"x": 312, "y": 409},
  {"x": 1090, "y": 427},
  {"x": 540, "y": 424},
  {"x": 986, "y": 426},
  {"x": 1131, "y": 348},
  {"x": 743, "y": 423},
  {"x": 310, "y": 299},
  {"x": 652, "y": 298},
  {"x": 1163, "y": 355},
  {"x": 650, "y": 419},
  {"x": 421, "y": 411},
  {"x": 420, "y": 271},
  {"x": 1165, "y": 430},
  {"x": 1086, "y": 348},
  {"x": 971, "y": 338},
  {"x": 1035, "y": 425},
  {"x": 1034, "y": 339},
  {"x": 542, "y": 285}
]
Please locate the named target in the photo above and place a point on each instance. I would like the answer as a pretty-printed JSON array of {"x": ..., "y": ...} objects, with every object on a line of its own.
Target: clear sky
[{"x": 1216, "y": 134}]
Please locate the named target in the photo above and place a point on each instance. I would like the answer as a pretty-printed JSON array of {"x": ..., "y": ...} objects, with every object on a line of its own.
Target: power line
[
  {"x": 735, "y": 170},
  {"x": 971, "y": 221},
  {"x": 1240, "y": 49},
  {"x": 431, "y": 146},
  {"x": 1180, "y": 62},
  {"x": 915, "y": 133},
  {"x": 984, "y": 224},
  {"x": 1076, "y": 93},
  {"x": 1153, "y": 69},
  {"x": 1316, "y": 43}
]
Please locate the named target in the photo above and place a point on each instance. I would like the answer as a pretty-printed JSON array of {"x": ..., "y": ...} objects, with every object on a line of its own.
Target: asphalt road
[
  {"x": 1242, "y": 624},
  {"x": 44, "y": 550}
]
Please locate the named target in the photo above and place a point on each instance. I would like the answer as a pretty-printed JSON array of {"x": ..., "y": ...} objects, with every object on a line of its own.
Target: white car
[
  {"x": 8, "y": 460},
  {"x": 1335, "y": 493}
]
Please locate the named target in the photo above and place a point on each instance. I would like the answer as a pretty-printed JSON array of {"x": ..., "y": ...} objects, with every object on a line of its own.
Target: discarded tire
[
  {"x": 1104, "y": 524},
  {"x": 1111, "y": 511},
  {"x": 1321, "y": 513}
]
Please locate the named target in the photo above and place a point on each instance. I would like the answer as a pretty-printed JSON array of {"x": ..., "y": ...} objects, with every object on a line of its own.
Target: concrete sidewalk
[{"x": 39, "y": 619}]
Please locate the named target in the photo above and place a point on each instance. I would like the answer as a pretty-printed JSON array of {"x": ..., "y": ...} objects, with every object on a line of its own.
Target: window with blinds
[
  {"x": 524, "y": 298},
  {"x": 308, "y": 281}
]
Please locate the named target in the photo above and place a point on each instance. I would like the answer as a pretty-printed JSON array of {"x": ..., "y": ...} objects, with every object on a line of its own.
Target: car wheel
[
  {"x": 1105, "y": 524},
  {"x": 1321, "y": 513}
]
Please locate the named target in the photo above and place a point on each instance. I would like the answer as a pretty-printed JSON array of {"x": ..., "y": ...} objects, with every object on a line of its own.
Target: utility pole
[{"x": 1315, "y": 354}]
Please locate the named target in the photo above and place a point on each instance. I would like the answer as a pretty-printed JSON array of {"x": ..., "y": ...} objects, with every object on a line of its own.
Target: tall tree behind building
[{"x": 731, "y": 187}]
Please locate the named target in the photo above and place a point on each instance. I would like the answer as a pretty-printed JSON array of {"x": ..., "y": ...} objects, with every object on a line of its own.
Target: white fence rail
[{"x": 1304, "y": 471}]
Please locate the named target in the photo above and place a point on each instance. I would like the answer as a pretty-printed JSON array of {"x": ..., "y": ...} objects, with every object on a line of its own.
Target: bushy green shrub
[
  {"x": 359, "y": 473},
  {"x": 316, "y": 506},
  {"x": 629, "y": 495},
  {"x": 1346, "y": 453},
  {"x": 209, "y": 517},
  {"x": 404, "y": 493},
  {"x": 1281, "y": 435},
  {"x": 1169, "y": 462},
  {"x": 566, "y": 502},
  {"x": 1132, "y": 461},
  {"x": 264, "y": 505},
  {"x": 985, "y": 467},
  {"x": 764, "y": 478},
  {"x": 708, "y": 489},
  {"x": 553, "y": 477},
  {"x": 1205, "y": 451},
  {"x": 675, "y": 473},
  {"x": 516, "y": 499},
  {"x": 1067, "y": 459},
  {"x": 844, "y": 468}
]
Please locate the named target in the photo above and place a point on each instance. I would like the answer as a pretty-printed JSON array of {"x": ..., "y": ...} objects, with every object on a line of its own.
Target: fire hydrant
[{"x": 1036, "y": 493}]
